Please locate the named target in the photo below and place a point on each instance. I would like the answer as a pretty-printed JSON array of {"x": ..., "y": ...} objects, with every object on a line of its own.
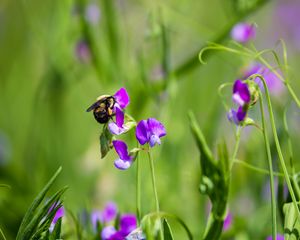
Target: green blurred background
[{"x": 58, "y": 56}]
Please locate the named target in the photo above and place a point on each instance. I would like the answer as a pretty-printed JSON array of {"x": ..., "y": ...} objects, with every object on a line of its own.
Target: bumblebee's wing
[{"x": 93, "y": 106}]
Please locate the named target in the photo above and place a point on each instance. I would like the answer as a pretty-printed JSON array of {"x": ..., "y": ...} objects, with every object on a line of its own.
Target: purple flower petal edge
[{"x": 122, "y": 98}]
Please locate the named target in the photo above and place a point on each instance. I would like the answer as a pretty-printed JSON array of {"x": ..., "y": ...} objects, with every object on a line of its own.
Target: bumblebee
[{"x": 103, "y": 108}]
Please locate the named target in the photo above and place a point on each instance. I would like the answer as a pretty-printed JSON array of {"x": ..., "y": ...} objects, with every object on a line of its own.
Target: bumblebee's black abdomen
[{"x": 101, "y": 116}]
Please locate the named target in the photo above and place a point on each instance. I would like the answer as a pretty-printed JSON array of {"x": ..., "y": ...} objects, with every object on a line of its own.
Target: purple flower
[
  {"x": 124, "y": 161},
  {"x": 118, "y": 127},
  {"x": 150, "y": 131},
  {"x": 128, "y": 223},
  {"x": 59, "y": 214},
  {"x": 242, "y": 97},
  {"x": 241, "y": 94},
  {"x": 92, "y": 13},
  {"x": 236, "y": 116},
  {"x": 82, "y": 51},
  {"x": 278, "y": 237},
  {"x": 274, "y": 84},
  {"x": 108, "y": 214},
  {"x": 227, "y": 222},
  {"x": 122, "y": 98},
  {"x": 107, "y": 232},
  {"x": 243, "y": 32}
]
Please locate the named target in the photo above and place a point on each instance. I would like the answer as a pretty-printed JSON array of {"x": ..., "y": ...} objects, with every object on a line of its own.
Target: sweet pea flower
[
  {"x": 118, "y": 127},
  {"x": 124, "y": 161},
  {"x": 92, "y": 13},
  {"x": 242, "y": 97},
  {"x": 59, "y": 214},
  {"x": 82, "y": 51},
  {"x": 108, "y": 214},
  {"x": 243, "y": 32},
  {"x": 278, "y": 237},
  {"x": 150, "y": 131},
  {"x": 122, "y": 98},
  {"x": 241, "y": 93},
  {"x": 227, "y": 222},
  {"x": 128, "y": 223},
  {"x": 236, "y": 116}
]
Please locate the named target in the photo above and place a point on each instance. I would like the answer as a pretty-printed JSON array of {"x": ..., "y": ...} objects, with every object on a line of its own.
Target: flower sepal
[{"x": 248, "y": 122}]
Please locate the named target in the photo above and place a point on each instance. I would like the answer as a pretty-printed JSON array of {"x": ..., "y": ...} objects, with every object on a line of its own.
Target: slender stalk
[
  {"x": 278, "y": 148},
  {"x": 2, "y": 234},
  {"x": 236, "y": 147},
  {"x": 257, "y": 169},
  {"x": 285, "y": 81},
  {"x": 290, "y": 148},
  {"x": 138, "y": 188},
  {"x": 154, "y": 189},
  {"x": 267, "y": 145}
]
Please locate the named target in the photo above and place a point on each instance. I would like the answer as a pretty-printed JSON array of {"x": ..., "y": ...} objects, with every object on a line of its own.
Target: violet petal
[
  {"x": 243, "y": 32},
  {"x": 128, "y": 223},
  {"x": 122, "y": 164},
  {"x": 107, "y": 232},
  {"x": 121, "y": 149},
  {"x": 241, "y": 114},
  {"x": 154, "y": 139},
  {"x": 156, "y": 127},
  {"x": 119, "y": 117},
  {"x": 241, "y": 93},
  {"x": 232, "y": 116},
  {"x": 109, "y": 212},
  {"x": 122, "y": 97},
  {"x": 142, "y": 133}
]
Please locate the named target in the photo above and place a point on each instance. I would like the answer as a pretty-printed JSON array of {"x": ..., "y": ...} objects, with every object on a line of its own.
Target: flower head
[
  {"x": 236, "y": 116},
  {"x": 124, "y": 161},
  {"x": 128, "y": 223},
  {"x": 278, "y": 237},
  {"x": 241, "y": 93},
  {"x": 60, "y": 212},
  {"x": 150, "y": 131},
  {"x": 243, "y": 32},
  {"x": 108, "y": 214},
  {"x": 122, "y": 98},
  {"x": 92, "y": 13},
  {"x": 82, "y": 51},
  {"x": 227, "y": 222}
]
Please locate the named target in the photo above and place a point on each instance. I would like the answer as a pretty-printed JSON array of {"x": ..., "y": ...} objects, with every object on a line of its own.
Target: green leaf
[
  {"x": 214, "y": 180},
  {"x": 167, "y": 230},
  {"x": 32, "y": 209},
  {"x": 291, "y": 222},
  {"x": 105, "y": 141}
]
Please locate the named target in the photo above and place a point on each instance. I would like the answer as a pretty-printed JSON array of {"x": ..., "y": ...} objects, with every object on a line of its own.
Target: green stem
[
  {"x": 278, "y": 148},
  {"x": 285, "y": 81},
  {"x": 267, "y": 145},
  {"x": 236, "y": 147},
  {"x": 138, "y": 188},
  {"x": 2, "y": 234},
  {"x": 154, "y": 189},
  {"x": 257, "y": 169}
]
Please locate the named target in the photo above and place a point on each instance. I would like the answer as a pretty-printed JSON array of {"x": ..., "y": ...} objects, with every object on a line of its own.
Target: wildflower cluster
[{"x": 106, "y": 220}]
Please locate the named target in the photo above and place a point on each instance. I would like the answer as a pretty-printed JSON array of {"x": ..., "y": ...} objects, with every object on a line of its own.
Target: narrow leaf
[
  {"x": 167, "y": 231},
  {"x": 37, "y": 201}
]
